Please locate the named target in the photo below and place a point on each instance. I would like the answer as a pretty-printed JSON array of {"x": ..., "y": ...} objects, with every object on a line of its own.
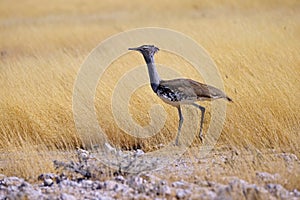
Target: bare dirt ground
[{"x": 86, "y": 177}]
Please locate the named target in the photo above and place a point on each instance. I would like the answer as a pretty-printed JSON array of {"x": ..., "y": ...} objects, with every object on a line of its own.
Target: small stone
[
  {"x": 255, "y": 192},
  {"x": 65, "y": 196},
  {"x": 296, "y": 192},
  {"x": 48, "y": 182},
  {"x": 110, "y": 148},
  {"x": 166, "y": 190},
  {"x": 163, "y": 182},
  {"x": 178, "y": 184},
  {"x": 277, "y": 190},
  {"x": 224, "y": 192},
  {"x": 83, "y": 155},
  {"x": 266, "y": 177},
  {"x": 121, "y": 188},
  {"x": 139, "y": 152},
  {"x": 69, "y": 183},
  {"x": 207, "y": 194},
  {"x": 288, "y": 157},
  {"x": 87, "y": 184},
  {"x": 134, "y": 181},
  {"x": 13, "y": 181},
  {"x": 120, "y": 178},
  {"x": 223, "y": 159},
  {"x": 97, "y": 185},
  {"x": 182, "y": 194},
  {"x": 110, "y": 185},
  {"x": 47, "y": 179}
]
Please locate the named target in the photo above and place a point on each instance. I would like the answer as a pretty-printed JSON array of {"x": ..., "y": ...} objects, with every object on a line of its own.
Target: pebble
[
  {"x": 296, "y": 192},
  {"x": 110, "y": 185},
  {"x": 12, "y": 181},
  {"x": 179, "y": 184},
  {"x": 182, "y": 194},
  {"x": 288, "y": 157},
  {"x": 87, "y": 184},
  {"x": 65, "y": 196},
  {"x": 207, "y": 194},
  {"x": 266, "y": 177},
  {"x": 83, "y": 155},
  {"x": 139, "y": 152},
  {"x": 48, "y": 182},
  {"x": 166, "y": 190},
  {"x": 120, "y": 179},
  {"x": 277, "y": 191}
]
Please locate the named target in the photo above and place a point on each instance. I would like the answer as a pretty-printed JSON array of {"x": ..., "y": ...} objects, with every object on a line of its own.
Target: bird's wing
[
  {"x": 193, "y": 90},
  {"x": 180, "y": 88}
]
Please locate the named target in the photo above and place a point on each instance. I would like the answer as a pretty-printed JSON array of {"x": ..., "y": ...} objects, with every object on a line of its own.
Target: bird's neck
[{"x": 153, "y": 74}]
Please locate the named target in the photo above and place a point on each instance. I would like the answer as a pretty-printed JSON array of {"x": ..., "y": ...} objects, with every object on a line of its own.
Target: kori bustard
[{"x": 178, "y": 91}]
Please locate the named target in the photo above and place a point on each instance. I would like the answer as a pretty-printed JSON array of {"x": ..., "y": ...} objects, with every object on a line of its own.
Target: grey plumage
[
  {"x": 187, "y": 90},
  {"x": 178, "y": 91}
]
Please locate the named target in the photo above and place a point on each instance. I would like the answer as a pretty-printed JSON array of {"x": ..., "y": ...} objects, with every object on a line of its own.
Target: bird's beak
[{"x": 133, "y": 49}]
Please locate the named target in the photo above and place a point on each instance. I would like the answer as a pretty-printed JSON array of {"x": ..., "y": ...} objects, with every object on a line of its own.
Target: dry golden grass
[{"x": 255, "y": 46}]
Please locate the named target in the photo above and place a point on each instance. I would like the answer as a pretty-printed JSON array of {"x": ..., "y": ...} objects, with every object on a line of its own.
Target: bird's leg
[
  {"x": 202, "y": 119},
  {"x": 180, "y": 124}
]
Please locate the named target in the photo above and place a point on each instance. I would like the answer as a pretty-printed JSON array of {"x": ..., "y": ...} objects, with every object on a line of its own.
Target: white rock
[
  {"x": 110, "y": 185},
  {"x": 278, "y": 191},
  {"x": 296, "y": 192},
  {"x": 48, "y": 182},
  {"x": 120, "y": 178},
  {"x": 182, "y": 194},
  {"x": 139, "y": 152},
  {"x": 110, "y": 148},
  {"x": 13, "y": 181},
  {"x": 65, "y": 196},
  {"x": 178, "y": 184},
  {"x": 166, "y": 190},
  {"x": 288, "y": 157},
  {"x": 266, "y": 177},
  {"x": 69, "y": 183},
  {"x": 86, "y": 184}
]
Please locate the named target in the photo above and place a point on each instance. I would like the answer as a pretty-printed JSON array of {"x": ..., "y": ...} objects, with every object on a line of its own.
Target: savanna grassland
[{"x": 43, "y": 44}]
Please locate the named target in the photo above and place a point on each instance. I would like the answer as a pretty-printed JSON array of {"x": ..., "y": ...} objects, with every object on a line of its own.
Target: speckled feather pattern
[{"x": 187, "y": 91}]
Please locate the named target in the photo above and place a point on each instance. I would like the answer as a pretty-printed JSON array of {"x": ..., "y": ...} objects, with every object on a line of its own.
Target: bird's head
[{"x": 146, "y": 50}]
